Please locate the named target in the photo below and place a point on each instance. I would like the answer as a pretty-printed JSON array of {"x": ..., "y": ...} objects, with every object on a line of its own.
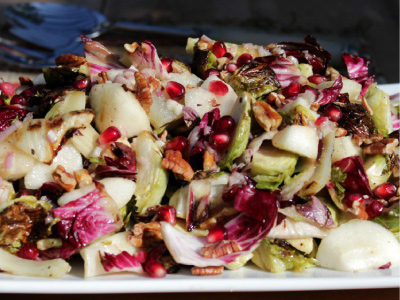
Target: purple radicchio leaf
[
  {"x": 199, "y": 205},
  {"x": 86, "y": 219},
  {"x": 330, "y": 94},
  {"x": 317, "y": 212},
  {"x": 190, "y": 116},
  {"x": 123, "y": 261}
]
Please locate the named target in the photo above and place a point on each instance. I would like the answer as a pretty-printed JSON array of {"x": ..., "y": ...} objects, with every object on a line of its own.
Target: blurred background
[{"x": 366, "y": 28}]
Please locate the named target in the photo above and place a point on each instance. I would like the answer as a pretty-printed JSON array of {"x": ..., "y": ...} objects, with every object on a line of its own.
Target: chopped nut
[
  {"x": 366, "y": 106},
  {"x": 83, "y": 177},
  {"x": 266, "y": 116},
  {"x": 145, "y": 234},
  {"x": 70, "y": 60},
  {"x": 130, "y": 48},
  {"x": 340, "y": 132},
  {"x": 219, "y": 249},
  {"x": 153, "y": 84},
  {"x": 103, "y": 77},
  {"x": 299, "y": 118},
  {"x": 143, "y": 91},
  {"x": 64, "y": 179},
  {"x": 190, "y": 86},
  {"x": 274, "y": 98},
  {"x": 25, "y": 80},
  {"x": 314, "y": 106},
  {"x": 359, "y": 139},
  {"x": 173, "y": 161},
  {"x": 208, "y": 161},
  {"x": 207, "y": 271},
  {"x": 384, "y": 147}
]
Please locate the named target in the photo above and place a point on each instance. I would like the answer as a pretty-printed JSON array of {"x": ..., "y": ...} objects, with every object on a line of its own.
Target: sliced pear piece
[
  {"x": 120, "y": 189},
  {"x": 344, "y": 147}
]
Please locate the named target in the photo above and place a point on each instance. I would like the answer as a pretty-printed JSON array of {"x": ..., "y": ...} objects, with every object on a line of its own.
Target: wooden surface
[{"x": 377, "y": 294}]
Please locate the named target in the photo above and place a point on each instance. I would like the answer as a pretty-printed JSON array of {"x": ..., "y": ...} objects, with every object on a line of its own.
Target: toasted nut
[
  {"x": 64, "y": 179},
  {"x": 219, "y": 249},
  {"x": 103, "y": 77},
  {"x": 266, "y": 116},
  {"x": 25, "y": 80},
  {"x": 173, "y": 161},
  {"x": 145, "y": 234},
  {"x": 70, "y": 60},
  {"x": 83, "y": 177},
  {"x": 143, "y": 92},
  {"x": 384, "y": 147},
  {"x": 314, "y": 106},
  {"x": 208, "y": 161},
  {"x": 130, "y": 48},
  {"x": 274, "y": 98},
  {"x": 366, "y": 106},
  {"x": 207, "y": 271},
  {"x": 359, "y": 139},
  {"x": 340, "y": 132},
  {"x": 299, "y": 118}
]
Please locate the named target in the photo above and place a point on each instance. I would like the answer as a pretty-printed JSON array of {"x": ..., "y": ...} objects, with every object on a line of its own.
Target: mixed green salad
[{"x": 139, "y": 163}]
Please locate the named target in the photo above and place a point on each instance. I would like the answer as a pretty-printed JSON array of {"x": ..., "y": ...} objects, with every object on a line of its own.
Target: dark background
[{"x": 368, "y": 28}]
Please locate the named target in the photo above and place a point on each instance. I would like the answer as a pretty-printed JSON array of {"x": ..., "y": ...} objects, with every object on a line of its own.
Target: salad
[{"x": 251, "y": 154}]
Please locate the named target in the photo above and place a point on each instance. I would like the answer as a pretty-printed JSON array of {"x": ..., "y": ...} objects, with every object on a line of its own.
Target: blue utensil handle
[{"x": 155, "y": 29}]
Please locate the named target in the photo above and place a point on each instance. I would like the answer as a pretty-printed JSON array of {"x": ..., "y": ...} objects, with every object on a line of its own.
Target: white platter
[{"x": 248, "y": 278}]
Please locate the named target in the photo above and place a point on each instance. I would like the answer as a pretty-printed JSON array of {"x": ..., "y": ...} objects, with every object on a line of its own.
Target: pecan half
[
  {"x": 359, "y": 139},
  {"x": 144, "y": 89},
  {"x": 70, "y": 60},
  {"x": 145, "y": 234},
  {"x": 275, "y": 98},
  {"x": 64, "y": 179},
  {"x": 174, "y": 161},
  {"x": 208, "y": 161},
  {"x": 83, "y": 177},
  {"x": 207, "y": 271},
  {"x": 266, "y": 116},
  {"x": 219, "y": 249},
  {"x": 130, "y": 48},
  {"x": 384, "y": 147}
]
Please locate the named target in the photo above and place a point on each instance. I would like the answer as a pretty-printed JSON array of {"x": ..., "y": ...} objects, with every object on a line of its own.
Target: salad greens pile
[{"x": 140, "y": 163}]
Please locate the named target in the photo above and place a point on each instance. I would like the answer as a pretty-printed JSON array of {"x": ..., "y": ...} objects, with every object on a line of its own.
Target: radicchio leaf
[
  {"x": 190, "y": 116},
  {"x": 123, "y": 261},
  {"x": 198, "y": 204},
  {"x": 330, "y": 94},
  {"x": 317, "y": 212}
]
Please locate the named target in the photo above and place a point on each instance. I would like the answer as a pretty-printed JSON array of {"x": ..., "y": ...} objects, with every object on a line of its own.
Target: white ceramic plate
[{"x": 248, "y": 278}]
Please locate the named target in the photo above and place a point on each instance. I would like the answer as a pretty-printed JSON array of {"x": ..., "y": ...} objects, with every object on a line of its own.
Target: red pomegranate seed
[
  {"x": 228, "y": 56},
  {"x": 28, "y": 251},
  {"x": 219, "y": 141},
  {"x": 175, "y": 90},
  {"x": 216, "y": 234},
  {"x": 231, "y": 67},
  {"x": 244, "y": 59},
  {"x": 229, "y": 194},
  {"x": 316, "y": 79},
  {"x": 167, "y": 63},
  {"x": 178, "y": 143},
  {"x": 18, "y": 99},
  {"x": 225, "y": 125},
  {"x": 375, "y": 209},
  {"x": 219, "y": 49},
  {"x": 81, "y": 84},
  {"x": 155, "y": 269},
  {"x": 111, "y": 134},
  {"x": 320, "y": 121},
  {"x": 167, "y": 214},
  {"x": 210, "y": 72},
  {"x": 306, "y": 88},
  {"x": 351, "y": 198},
  {"x": 292, "y": 90},
  {"x": 385, "y": 191},
  {"x": 333, "y": 112},
  {"x": 29, "y": 92},
  {"x": 218, "y": 87},
  {"x": 141, "y": 256}
]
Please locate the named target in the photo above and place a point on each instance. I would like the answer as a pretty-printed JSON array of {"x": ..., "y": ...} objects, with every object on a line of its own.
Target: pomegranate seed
[
  {"x": 167, "y": 63},
  {"x": 111, "y": 134},
  {"x": 228, "y": 56},
  {"x": 375, "y": 209},
  {"x": 292, "y": 90},
  {"x": 210, "y": 72},
  {"x": 178, "y": 143},
  {"x": 320, "y": 121},
  {"x": 175, "y": 90},
  {"x": 244, "y": 59},
  {"x": 316, "y": 79},
  {"x": 352, "y": 198},
  {"x": 28, "y": 251},
  {"x": 29, "y": 92},
  {"x": 155, "y": 269},
  {"x": 167, "y": 213},
  {"x": 216, "y": 234},
  {"x": 219, "y": 49},
  {"x": 225, "y": 125},
  {"x": 385, "y": 191},
  {"x": 306, "y": 88},
  {"x": 219, "y": 141},
  {"x": 141, "y": 256},
  {"x": 231, "y": 67},
  {"x": 333, "y": 112},
  {"x": 343, "y": 98},
  {"x": 229, "y": 194},
  {"x": 218, "y": 88},
  {"x": 18, "y": 99},
  {"x": 81, "y": 84}
]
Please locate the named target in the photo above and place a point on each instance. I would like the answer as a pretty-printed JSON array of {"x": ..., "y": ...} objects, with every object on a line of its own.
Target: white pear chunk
[
  {"x": 22, "y": 163},
  {"x": 358, "y": 245},
  {"x": 114, "y": 244},
  {"x": 68, "y": 157},
  {"x": 351, "y": 87},
  {"x": 200, "y": 100},
  {"x": 114, "y": 106},
  {"x": 75, "y": 194},
  {"x": 164, "y": 111},
  {"x": 120, "y": 189},
  {"x": 343, "y": 147},
  {"x": 302, "y": 140},
  {"x": 53, "y": 268},
  {"x": 185, "y": 78}
]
